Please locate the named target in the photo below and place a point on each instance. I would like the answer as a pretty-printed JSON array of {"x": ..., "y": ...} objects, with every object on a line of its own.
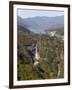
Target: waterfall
[{"x": 36, "y": 56}]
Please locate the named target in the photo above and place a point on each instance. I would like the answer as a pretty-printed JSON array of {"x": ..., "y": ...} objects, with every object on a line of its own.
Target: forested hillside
[{"x": 51, "y": 52}]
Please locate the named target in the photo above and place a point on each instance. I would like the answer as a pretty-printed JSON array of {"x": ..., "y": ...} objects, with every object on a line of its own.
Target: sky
[{"x": 29, "y": 13}]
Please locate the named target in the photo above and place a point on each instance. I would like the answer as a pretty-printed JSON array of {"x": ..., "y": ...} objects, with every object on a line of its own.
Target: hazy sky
[{"x": 26, "y": 13}]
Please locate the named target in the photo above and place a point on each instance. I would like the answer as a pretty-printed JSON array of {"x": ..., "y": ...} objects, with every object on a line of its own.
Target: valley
[{"x": 50, "y": 50}]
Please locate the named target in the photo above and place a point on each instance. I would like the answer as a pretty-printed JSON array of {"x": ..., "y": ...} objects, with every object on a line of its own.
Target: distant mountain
[
  {"x": 23, "y": 29},
  {"x": 41, "y": 23}
]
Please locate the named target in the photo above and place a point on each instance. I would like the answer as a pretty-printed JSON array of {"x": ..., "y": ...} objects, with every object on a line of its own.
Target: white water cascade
[{"x": 36, "y": 56}]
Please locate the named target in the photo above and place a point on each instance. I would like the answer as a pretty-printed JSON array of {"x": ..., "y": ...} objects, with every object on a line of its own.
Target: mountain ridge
[{"x": 41, "y": 23}]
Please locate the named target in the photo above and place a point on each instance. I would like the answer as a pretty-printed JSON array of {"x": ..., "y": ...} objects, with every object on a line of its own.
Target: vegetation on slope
[{"x": 51, "y": 51}]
